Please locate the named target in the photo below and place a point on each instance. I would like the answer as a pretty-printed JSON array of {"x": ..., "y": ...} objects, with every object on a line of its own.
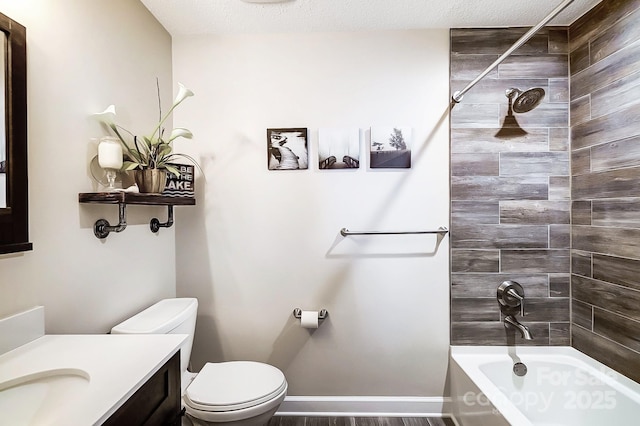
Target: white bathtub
[{"x": 562, "y": 387}]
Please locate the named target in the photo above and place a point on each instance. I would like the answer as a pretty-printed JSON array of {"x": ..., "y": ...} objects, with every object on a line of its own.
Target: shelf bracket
[
  {"x": 101, "y": 228},
  {"x": 155, "y": 224}
]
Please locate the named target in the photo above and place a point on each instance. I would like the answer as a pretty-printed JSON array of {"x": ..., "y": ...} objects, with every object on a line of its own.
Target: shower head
[{"x": 525, "y": 101}]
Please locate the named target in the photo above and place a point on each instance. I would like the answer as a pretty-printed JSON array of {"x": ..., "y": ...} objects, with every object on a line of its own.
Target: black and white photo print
[
  {"x": 390, "y": 147},
  {"x": 338, "y": 148},
  {"x": 287, "y": 149}
]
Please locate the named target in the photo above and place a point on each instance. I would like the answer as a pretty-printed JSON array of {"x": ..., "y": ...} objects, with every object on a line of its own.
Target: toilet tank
[{"x": 168, "y": 316}]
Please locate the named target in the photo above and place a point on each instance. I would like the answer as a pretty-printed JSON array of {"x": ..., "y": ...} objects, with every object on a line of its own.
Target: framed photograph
[
  {"x": 287, "y": 149},
  {"x": 338, "y": 148},
  {"x": 390, "y": 148}
]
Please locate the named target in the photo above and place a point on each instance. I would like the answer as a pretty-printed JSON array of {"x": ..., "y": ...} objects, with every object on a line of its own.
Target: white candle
[{"x": 110, "y": 153}]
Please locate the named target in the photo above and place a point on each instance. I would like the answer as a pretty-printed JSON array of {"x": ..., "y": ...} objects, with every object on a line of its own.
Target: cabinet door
[{"x": 156, "y": 403}]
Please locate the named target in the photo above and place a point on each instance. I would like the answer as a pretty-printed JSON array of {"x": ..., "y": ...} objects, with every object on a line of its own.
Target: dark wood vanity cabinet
[{"x": 156, "y": 403}]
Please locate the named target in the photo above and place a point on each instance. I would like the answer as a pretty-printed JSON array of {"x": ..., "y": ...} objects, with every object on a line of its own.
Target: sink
[{"x": 40, "y": 397}]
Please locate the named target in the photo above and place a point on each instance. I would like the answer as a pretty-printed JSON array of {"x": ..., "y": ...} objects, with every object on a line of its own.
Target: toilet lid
[{"x": 234, "y": 385}]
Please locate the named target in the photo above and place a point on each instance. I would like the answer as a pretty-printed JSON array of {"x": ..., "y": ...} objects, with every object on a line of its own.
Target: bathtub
[{"x": 562, "y": 386}]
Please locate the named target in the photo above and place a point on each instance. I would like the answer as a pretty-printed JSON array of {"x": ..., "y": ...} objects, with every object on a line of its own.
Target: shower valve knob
[{"x": 511, "y": 295}]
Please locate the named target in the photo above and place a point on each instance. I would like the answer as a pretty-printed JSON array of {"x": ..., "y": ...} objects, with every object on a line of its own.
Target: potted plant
[{"x": 150, "y": 157}]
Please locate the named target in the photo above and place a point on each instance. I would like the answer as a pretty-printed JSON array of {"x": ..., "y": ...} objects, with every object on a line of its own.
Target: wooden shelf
[
  {"x": 134, "y": 198},
  {"x": 102, "y": 228}
]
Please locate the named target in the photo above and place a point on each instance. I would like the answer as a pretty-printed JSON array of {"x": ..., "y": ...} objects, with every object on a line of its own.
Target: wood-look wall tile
[
  {"x": 581, "y": 212},
  {"x": 475, "y": 115},
  {"x": 499, "y": 236},
  {"x": 560, "y": 285},
  {"x": 493, "y": 91},
  {"x": 613, "y": 67},
  {"x": 475, "y": 309},
  {"x": 581, "y": 161},
  {"x": 544, "y": 115},
  {"x": 621, "y": 94},
  {"x": 598, "y": 19},
  {"x": 534, "y": 212},
  {"x": 607, "y": 128},
  {"x": 582, "y": 314},
  {"x": 622, "y": 33},
  {"x": 475, "y": 212},
  {"x": 615, "y": 155},
  {"x": 484, "y": 141},
  {"x": 534, "y": 66},
  {"x": 623, "y": 213},
  {"x": 546, "y": 309},
  {"x": 485, "y": 285},
  {"x": 559, "y": 40},
  {"x": 622, "y": 242},
  {"x": 616, "y": 356},
  {"x": 580, "y": 110},
  {"x": 579, "y": 59},
  {"x": 494, "y": 333},
  {"x": 617, "y": 328},
  {"x": 475, "y": 164},
  {"x": 558, "y": 90},
  {"x": 475, "y": 260},
  {"x": 499, "y": 188},
  {"x": 611, "y": 297},
  {"x": 475, "y": 192},
  {"x": 617, "y": 270},
  {"x": 521, "y": 261},
  {"x": 559, "y": 188},
  {"x": 466, "y": 67},
  {"x": 534, "y": 164},
  {"x": 612, "y": 184},
  {"x": 559, "y": 236},
  {"x": 560, "y": 334},
  {"x": 559, "y": 139},
  {"x": 496, "y": 41},
  {"x": 581, "y": 263}
]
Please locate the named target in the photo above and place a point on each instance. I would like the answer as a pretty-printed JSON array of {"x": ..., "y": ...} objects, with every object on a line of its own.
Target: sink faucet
[
  {"x": 513, "y": 322},
  {"x": 511, "y": 299}
]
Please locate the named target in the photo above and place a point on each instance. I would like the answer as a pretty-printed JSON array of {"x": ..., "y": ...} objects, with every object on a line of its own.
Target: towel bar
[{"x": 345, "y": 232}]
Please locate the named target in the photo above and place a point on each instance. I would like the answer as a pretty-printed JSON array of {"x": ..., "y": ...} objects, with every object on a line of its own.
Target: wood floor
[{"x": 359, "y": 421}]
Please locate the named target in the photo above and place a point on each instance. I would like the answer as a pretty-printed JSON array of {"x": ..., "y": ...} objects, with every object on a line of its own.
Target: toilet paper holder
[{"x": 322, "y": 313}]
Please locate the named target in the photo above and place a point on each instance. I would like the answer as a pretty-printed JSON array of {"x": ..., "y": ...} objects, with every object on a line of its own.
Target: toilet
[{"x": 238, "y": 393}]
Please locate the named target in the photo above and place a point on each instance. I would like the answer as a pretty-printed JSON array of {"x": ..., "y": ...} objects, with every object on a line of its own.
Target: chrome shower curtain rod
[{"x": 457, "y": 96}]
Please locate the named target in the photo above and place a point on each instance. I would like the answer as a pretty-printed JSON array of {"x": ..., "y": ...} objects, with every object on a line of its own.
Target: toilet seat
[{"x": 234, "y": 386}]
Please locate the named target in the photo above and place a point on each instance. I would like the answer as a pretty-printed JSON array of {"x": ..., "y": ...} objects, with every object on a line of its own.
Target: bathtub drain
[{"x": 519, "y": 369}]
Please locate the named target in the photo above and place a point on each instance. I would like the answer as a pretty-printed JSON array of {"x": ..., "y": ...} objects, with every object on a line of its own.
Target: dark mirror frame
[{"x": 14, "y": 220}]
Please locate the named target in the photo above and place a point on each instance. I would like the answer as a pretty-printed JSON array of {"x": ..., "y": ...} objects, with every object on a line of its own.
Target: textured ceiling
[{"x": 189, "y": 17}]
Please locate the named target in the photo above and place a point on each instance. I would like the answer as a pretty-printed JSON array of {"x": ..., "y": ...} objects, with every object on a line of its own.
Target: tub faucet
[
  {"x": 511, "y": 300},
  {"x": 524, "y": 330}
]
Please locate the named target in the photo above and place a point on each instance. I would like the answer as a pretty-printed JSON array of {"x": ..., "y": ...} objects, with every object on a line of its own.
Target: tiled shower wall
[
  {"x": 510, "y": 208},
  {"x": 605, "y": 120}
]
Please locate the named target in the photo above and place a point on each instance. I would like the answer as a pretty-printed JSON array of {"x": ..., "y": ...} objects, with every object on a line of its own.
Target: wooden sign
[{"x": 183, "y": 185}]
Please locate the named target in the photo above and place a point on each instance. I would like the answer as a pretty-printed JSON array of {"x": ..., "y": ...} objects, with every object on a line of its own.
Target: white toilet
[{"x": 242, "y": 393}]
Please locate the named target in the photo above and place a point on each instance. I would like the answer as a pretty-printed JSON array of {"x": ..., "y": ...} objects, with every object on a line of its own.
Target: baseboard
[{"x": 365, "y": 406}]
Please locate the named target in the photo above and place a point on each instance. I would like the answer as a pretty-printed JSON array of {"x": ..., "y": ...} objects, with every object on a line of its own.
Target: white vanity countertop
[{"x": 117, "y": 365}]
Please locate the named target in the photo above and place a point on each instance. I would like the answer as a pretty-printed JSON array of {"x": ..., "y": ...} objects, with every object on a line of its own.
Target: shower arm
[{"x": 457, "y": 96}]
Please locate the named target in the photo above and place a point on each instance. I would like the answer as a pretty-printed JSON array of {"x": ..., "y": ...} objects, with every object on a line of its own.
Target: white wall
[
  {"x": 83, "y": 56},
  {"x": 261, "y": 243}
]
